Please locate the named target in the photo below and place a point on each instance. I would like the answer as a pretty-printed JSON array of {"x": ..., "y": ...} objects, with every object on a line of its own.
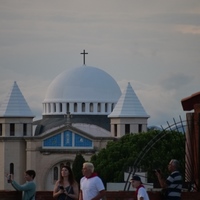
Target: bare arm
[
  {"x": 100, "y": 195},
  {"x": 161, "y": 180},
  {"x": 57, "y": 191},
  {"x": 80, "y": 195}
]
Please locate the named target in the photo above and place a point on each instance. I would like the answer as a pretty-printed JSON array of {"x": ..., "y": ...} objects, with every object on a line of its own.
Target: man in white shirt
[{"x": 91, "y": 186}]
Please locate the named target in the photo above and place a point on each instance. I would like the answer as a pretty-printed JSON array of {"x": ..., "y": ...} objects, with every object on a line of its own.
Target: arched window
[
  {"x": 112, "y": 107},
  {"x": 67, "y": 107},
  {"x": 60, "y": 106},
  {"x": 75, "y": 107},
  {"x": 68, "y": 164},
  {"x": 99, "y": 107},
  {"x": 1, "y": 129},
  {"x": 54, "y": 107},
  {"x": 139, "y": 128},
  {"x": 83, "y": 107},
  {"x": 12, "y": 129},
  {"x": 49, "y": 107},
  {"x": 55, "y": 173},
  {"x": 91, "y": 107},
  {"x": 45, "y": 108},
  {"x": 115, "y": 130},
  {"x": 106, "y": 107},
  {"x": 24, "y": 129}
]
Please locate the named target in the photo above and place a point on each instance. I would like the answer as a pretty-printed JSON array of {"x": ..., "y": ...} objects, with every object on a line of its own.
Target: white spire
[
  {"x": 129, "y": 105},
  {"x": 15, "y": 105}
]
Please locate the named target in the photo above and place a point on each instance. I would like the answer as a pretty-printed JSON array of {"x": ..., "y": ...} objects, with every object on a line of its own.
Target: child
[{"x": 140, "y": 193}]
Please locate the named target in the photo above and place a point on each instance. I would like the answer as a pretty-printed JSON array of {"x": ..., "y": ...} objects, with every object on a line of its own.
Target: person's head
[
  {"x": 173, "y": 165},
  {"x": 88, "y": 169},
  {"x": 30, "y": 175},
  {"x": 135, "y": 181},
  {"x": 66, "y": 172}
]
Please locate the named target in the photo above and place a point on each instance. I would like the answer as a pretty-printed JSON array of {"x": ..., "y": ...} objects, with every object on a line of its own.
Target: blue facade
[{"x": 68, "y": 139}]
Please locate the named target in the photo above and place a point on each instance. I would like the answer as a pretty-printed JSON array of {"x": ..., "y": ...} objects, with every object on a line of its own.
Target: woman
[{"x": 66, "y": 188}]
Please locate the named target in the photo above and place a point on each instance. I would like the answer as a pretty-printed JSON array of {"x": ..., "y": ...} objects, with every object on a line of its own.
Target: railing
[{"x": 119, "y": 195}]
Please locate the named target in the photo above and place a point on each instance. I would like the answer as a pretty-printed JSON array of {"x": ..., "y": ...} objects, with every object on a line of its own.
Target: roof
[
  {"x": 48, "y": 122},
  {"x": 93, "y": 130},
  {"x": 15, "y": 104},
  {"x": 129, "y": 105},
  {"x": 83, "y": 84},
  {"x": 189, "y": 102}
]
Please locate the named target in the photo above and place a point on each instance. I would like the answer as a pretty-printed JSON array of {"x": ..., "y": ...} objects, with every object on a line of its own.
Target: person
[
  {"x": 91, "y": 186},
  {"x": 66, "y": 188},
  {"x": 140, "y": 193},
  {"x": 28, "y": 188},
  {"x": 173, "y": 184}
]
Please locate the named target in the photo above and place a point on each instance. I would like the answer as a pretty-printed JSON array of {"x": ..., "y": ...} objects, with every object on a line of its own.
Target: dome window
[
  {"x": 67, "y": 107},
  {"x": 83, "y": 107},
  {"x": 99, "y": 107},
  {"x": 75, "y": 107},
  {"x": 49, "y": 107},
  {"x": 60, "y": 106},
  {"x": 112, "y": 107},
  {"x": 91, "y": 107},
  {"x": 54, "y": 107},
  {"x": 106, "y": 107}
]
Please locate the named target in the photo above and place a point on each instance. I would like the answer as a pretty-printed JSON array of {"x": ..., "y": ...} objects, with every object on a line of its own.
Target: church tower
[
  {"x": 15, "y": 124},
  {"x": 128, "y": 115}
]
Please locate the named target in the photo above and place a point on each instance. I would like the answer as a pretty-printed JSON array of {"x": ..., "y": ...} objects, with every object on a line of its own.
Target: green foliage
[
  {"x": 77, "y": 167},
  {"x": 120, "y": 155}
]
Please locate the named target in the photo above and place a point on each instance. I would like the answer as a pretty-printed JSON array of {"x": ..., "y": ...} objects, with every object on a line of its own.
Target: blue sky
[{"x": 154, "y": 45}]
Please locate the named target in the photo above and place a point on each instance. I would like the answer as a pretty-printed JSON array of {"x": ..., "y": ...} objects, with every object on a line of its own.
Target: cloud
[
  {"x": 176, "y": 81},
  {"x": 154, "y": 45}
]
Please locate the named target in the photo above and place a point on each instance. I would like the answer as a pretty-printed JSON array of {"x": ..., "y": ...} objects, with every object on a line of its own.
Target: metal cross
[{"x": 84, "y": 53}]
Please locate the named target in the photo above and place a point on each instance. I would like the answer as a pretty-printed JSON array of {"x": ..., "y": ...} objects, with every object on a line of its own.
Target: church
[{"x": 83, "y": 109}]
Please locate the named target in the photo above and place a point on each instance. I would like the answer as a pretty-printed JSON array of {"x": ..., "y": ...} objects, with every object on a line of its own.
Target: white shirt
[
  {"x": 142, "y": 193},
  {"x": 91, "y": 187}
]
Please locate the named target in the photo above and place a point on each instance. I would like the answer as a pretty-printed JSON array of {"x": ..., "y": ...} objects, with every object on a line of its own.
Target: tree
[
  {"x": 121, "y": 155},
  {"x": 77, "y": 167}
]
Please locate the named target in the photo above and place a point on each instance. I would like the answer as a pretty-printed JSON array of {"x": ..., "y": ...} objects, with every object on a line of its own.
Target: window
[
  {"x": 99, "y": 107},
  {"x": 60, "y": 105},
  {"x": 106, "y": 107},
  {"x": 127, "y": 128},
  {"x": 12, "y": 129},
  {"x": 67, "y": 107},
  {"x": 54, "y": 107},
  {"x": 45, "y": 109},
  {"x": 139, "y": 128},
  {"x": 115, "y": 130},
  {"x": 83, "y": 107},
  {"x": 55, "y": 173},
  {"x": 112, "y": 106},
  {"x": 91, "y": 107},
  {"x": 1, "y": 130},
  {"x": 24, "y": 129},
  {"x": 49, "y": 107},
  {"x": 75, "y": 107}
]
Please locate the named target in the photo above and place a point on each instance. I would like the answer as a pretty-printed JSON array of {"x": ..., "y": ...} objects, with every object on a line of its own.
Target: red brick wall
[{"x": 121, "y": 195}]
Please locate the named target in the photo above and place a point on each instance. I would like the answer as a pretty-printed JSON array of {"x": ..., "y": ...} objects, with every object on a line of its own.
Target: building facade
[{"x": 83, "y": 109}]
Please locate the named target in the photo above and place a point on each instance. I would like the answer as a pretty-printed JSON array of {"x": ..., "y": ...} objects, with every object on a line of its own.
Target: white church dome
[
  {"x": 82, "y": 90},
  {"x": 83, "y": 84}
]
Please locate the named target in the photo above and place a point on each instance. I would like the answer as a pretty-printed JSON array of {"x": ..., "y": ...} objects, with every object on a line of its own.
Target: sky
[{"x": 153, "y": 44}]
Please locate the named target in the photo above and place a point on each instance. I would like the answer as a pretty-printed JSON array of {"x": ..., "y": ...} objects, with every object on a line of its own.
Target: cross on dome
[{"x": 84, "y": 53}]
